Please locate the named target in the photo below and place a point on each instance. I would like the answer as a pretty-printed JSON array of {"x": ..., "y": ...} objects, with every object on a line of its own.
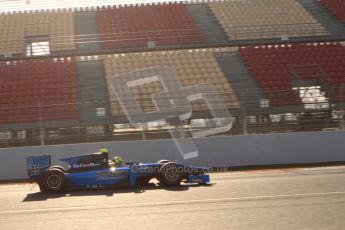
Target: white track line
[{"x": 177, "y": 202}]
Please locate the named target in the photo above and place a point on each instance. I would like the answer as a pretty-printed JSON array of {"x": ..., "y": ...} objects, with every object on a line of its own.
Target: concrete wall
[{"x": 247, "y": 150}]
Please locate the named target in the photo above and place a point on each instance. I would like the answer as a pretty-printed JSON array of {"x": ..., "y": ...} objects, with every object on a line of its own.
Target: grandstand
[
  {"x": 275, "y": 67},
  {"x": 20, "y": 30},
  {"x": 162, "y": 25},
  {"x": 242, "y": 20},
  {"x": 277, "y": 64},
  {"x": 30, "y": 92},
  {"x": 191, "y": 67}
]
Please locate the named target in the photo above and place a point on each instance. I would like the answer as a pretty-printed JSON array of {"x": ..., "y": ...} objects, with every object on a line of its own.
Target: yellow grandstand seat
[
  {"x": 18, "y": 28},
  {"x": 191, "y": 67},
  {"x": 256, "y": 19}
]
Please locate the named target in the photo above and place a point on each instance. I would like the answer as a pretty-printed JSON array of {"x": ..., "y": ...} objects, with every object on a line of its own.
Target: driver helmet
[
  {"x": 104, "y": 150},
  {"x": 117, "y": 161}
]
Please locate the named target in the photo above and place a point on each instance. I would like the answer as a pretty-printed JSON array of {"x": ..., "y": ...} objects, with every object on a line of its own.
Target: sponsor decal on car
[
  {"x": 111, "y": 175},
  {"x": 85, "y": 165},
  {"x": 34, "y": 169}
]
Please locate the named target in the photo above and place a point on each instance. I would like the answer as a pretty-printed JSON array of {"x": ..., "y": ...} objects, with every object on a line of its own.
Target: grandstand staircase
[
  {"x": 87, "y": 35},
  {"x": 332, "y": 24},
  {"x": 93, "y": 91},
  {"x": 208, "y": 24},
  {"x": 246, "y": 88}
]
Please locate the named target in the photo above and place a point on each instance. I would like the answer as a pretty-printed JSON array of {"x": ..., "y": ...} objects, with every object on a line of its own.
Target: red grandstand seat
[
  {"x": 134, "y": 26},
  {"x": 29, "y": 86},
  {"x": 271, "y": 67},
  {"x": 336, "y": 6}
]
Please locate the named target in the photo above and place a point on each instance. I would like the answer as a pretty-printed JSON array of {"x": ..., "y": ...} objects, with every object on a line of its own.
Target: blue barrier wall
[{"x": 265, "y": 149}]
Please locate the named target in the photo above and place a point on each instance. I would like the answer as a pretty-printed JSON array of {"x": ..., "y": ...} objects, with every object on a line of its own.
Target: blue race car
[{"x": 94, "y": 170}]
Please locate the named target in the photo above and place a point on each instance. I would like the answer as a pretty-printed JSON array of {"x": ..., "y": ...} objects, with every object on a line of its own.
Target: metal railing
[{"x": 42, "y": 130}]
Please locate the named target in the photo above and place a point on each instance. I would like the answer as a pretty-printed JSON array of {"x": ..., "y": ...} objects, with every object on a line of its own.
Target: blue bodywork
[
  {"x": 37, "y": 165},
  {"x": 94, "y": 170}
]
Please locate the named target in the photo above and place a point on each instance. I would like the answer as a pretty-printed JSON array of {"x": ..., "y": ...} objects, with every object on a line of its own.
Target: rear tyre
[
  {"x": 53, "y": 181},
  {"x": 170, "y": 174},
  {"x": 62, "y": 169}
]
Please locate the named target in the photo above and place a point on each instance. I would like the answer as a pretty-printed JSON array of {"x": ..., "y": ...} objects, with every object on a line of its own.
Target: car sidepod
[{"x": 105, "y": 176}]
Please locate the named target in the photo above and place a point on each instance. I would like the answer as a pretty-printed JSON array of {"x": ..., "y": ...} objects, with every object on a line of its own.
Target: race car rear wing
[{"x": 37, "y": 165}]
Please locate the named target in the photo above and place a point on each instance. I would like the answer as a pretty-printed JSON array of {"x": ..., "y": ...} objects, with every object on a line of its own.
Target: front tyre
[
  {"x": 53, "y": 181},
  {"x": 170, "y": 174}
]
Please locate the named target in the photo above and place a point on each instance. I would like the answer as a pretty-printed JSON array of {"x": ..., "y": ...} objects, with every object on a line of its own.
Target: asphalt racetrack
[{"x": 299, "y": 198}]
